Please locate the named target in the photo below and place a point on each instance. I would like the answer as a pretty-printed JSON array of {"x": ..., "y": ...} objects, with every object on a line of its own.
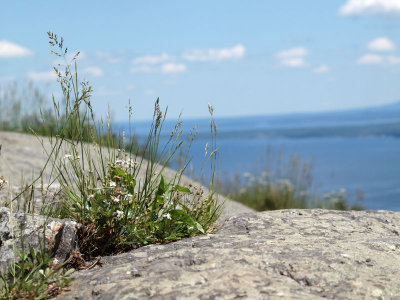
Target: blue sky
[{"x": 244, "y": 57}]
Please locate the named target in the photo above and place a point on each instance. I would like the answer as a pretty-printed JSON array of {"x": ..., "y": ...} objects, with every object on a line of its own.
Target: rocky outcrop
[
  {"x": 59, "y": 237},
  {"x": 288, "y": 254}
]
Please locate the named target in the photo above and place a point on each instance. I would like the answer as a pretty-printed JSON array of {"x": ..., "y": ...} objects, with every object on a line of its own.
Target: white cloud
[
  {"x": 381, "y": 44},
  {"x": 235, "y": 52},
  {"x": 104, "y": 92},
  {"x": 94, "y": 71},
  {"x": 370, "y": 7},
  {"x": 170, "y": 67},
  {"x": 131, "y": 87},
  {"x": 296, "y": 62},
  {"x": 393, "y": 60},
  {"x": 373, "y": 59},
  {"x": 294, "y": 52},
  {"x": 144, "y": 69},
  {"x": 42, "y": 76},
  {"x": 370, "y": 59},
  {"x": 8, "y": 49},
  {"x": 162, "y": 63},
  {"x": 108, "y": 57},
  {"x": 321, "y": 69},
  {"x": 149, "y": 92},
  {"x": 166, "y": 64},
  {"x": 294, "y": 58},
  {"x": 152, "y": 59},
  {"x": 173, "y": 68}
]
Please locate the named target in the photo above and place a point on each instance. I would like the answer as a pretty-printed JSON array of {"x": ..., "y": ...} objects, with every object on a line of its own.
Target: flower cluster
[
  {"x": 114, "y": 200},
  {"x": 128, "y": 215},
  {"x": 126, "y": 164},
  {"x": 124, "y": 161},
  {"x": 3, "y": 182}
]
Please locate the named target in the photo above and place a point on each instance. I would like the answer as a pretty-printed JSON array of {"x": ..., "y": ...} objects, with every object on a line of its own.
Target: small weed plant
[
  {"x": 36, "y": 276},
  {"x": 123, "y": 196},
  {"x": 122, "y": 200}
]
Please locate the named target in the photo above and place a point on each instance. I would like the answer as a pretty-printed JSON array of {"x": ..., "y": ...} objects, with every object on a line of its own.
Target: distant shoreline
[
  {"x": 352, "y": 131},
  {"x": 346, "y": 131}
]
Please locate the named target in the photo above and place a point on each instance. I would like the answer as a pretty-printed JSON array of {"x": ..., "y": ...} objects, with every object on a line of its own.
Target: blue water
[{"x": 370, "y": 163}]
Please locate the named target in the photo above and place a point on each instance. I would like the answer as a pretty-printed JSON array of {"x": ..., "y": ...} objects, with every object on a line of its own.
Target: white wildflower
[
  {"x": 112, "y": 184},
  {"x": 67, "y": 156},
  {"x": 3, "y": 182},
  {"x": 119, "y": 162},
  {"x": 129, "y": 197},
  {"x": 125, "y": 164},
  {"x": 119, "y": 214},
  {"x": 55, "y": 262},
  {"x": 168, "y": 216},
  {"x": 115, "y": 199}
]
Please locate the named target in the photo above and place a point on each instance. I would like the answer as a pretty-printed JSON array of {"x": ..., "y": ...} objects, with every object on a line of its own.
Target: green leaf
[
  {"x": 69, "y": 272},
  {"x": 182, "y": 189},
  {"x": 199, "y": 227},
  {"x": 182, "y": 216},
  {"x": 32, "y": 252},
  {"x": 23, "y": 256},
  {"x": 119, "y": 172},
  {"x": 161, "y": 186}
]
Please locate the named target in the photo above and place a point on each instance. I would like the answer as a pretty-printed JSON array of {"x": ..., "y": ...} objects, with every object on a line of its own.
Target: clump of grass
[
  {"x": 287, "y": 186},
  {"x": 36, "y": 276},
  {"x": 34, "y": 273},
  {"x": 338, "y": 200},
  {"x": 122, "y": 200}
]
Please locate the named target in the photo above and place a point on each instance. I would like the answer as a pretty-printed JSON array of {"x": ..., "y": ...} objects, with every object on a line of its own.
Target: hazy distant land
[{"x": 363, "y": 122}]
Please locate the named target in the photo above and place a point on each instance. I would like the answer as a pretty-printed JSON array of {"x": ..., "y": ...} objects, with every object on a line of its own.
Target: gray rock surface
[
  {"x": 59, "y": 237},
  {"x": 288, "y": 254}
]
